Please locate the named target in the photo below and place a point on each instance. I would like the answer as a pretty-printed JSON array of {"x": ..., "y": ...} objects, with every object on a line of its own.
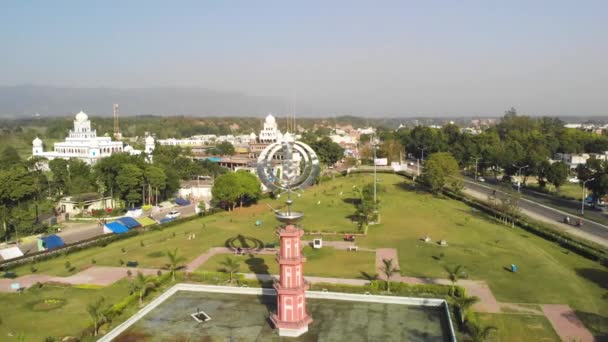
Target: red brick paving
[
  {"x": 566, "y": 324},
  {"x": 562, "y": 317}
]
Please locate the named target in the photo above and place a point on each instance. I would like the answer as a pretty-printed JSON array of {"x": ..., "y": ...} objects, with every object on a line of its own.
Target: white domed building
[
  {"x": 82, "y": 143},
  {"x": 270, "y": 132}
]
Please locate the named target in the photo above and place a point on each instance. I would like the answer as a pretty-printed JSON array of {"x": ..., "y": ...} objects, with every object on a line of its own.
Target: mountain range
[{"x": 23, "y": 101}]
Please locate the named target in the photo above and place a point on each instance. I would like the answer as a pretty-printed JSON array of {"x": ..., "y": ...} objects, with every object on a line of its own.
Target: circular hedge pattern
[
  {"x": 48, "y": 304},
  {"x": 246, "y": 243}
]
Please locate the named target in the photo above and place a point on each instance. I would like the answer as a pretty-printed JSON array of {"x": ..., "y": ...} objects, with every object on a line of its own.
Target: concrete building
[{"x": 82, "y": 143}]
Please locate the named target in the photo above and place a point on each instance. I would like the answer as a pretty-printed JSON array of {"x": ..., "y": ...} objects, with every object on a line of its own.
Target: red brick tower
[{"x": 291, "y": 318}]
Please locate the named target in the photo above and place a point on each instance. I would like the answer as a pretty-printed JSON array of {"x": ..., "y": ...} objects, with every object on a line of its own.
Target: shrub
[
  {"x": 93, "y": 261},
  {"x": 67, "y": 265},
  {"x": 33, "y": 269}
]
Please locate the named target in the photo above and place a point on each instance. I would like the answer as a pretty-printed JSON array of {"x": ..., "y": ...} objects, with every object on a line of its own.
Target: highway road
[
  {"x": 78, "y": 230},
  {"x": 550, "y": 214}
]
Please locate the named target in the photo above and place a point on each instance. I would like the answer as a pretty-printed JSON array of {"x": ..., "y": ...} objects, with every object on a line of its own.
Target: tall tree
[
  {"x": 389, "y": 270},
  {"x": 328, "y": 151},
  {"x": 174, "y": 262},
  {"x": 129, "y": 182},
  {"x": 441, "y": 172},
  {"x": 231, "y": 266},
  {"x": 558, "y": 174},
  {"x": 224, "y": 148},
  {"x": 96, "y": 311},
  {"x": 142, "y": 284}
]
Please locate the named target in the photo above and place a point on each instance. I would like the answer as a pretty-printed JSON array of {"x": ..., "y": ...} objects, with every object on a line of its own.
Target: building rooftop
[{"x": 244, "y": 317}]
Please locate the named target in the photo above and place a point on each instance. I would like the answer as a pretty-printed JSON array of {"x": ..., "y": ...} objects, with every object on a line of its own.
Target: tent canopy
[
  {"x": 146, "y": 221},
  {"x": 52, "y": 241},
  {"x": 129, "y": 222},
  {"x": 115, "y": 227},
  {"x": 10, "y": 253}
]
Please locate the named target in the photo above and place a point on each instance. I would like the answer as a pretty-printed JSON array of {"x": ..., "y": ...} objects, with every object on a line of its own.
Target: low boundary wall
[{"x": 271, "y": 292}]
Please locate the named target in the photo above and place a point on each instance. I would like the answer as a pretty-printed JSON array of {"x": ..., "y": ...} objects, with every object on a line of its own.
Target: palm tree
[
  {"x": 142, "y": 283},
  {"x": 463, "y": 304},
  {"x": 389, "y": 270},
  {"x": 174, "y": 261},
  {"x": 97, "y": 313},
  {"x": 230, "y": 266},
  {"x": 455, "y": 273},
  {"x": 479, "y": 333}
]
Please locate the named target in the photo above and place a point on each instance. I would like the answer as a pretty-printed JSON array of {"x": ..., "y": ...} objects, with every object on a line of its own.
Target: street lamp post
[
  {"x": 519, "y": 168},
  {"x": 421, "y": 159},
  {"x": 583, "y": 199},
  {"x": 476, "y": 160}
]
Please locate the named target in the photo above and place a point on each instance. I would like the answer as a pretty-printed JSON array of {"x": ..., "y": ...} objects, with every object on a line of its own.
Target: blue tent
[
  {"x": 166, "y": 219},
  {"x": 52, "y": 241},
  {"x": 129, "y": 222},
  {"x": 181, "y": 201},
  {"x": 115, "y": 227}
]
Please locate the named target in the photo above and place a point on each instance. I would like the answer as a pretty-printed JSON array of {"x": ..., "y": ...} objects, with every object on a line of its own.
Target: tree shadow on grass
[
  {"x": 597, "y": 324},
  {"x": 368, "y": 276},
  {"x": 599, "y": 277}
]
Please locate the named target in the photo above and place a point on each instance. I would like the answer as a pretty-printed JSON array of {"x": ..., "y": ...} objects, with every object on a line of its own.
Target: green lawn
[
  {"x": 519, "y": 328},
  {"x": 18, "y": 316},
  {"x": 210, "y": 231},
  {"x": 325, "y": 262},
  {"x": 547, "y": 273}
]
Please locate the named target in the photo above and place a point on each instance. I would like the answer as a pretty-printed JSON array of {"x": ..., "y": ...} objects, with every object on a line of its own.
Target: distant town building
[{"x": 83, "y": 143}]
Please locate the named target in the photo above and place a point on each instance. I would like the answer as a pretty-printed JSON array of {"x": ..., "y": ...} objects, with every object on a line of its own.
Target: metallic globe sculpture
[{"x": 299, "y": 167}]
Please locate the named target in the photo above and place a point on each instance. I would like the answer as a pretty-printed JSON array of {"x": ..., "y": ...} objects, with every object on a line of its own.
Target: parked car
[
  {"x": 173, "y": 214},
  {"x": 573, "y": 180},
  {"x": 481, "y": 179}
]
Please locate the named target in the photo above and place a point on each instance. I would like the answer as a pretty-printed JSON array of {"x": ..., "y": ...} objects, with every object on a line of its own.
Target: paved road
[
  {"x": 75, "y": 231},
  {"x": 555, "y": 215}
]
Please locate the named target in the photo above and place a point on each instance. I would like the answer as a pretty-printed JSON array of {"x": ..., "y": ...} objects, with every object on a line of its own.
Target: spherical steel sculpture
[{"x": 299, "y": 167}]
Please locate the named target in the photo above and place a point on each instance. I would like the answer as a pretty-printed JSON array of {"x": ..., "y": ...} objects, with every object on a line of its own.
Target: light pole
[
  {"x": 583, "y": 199},
  {"x": 476, "y": 160},
  {"x": 421, "y": 159},
  {"x": 519, "y": 176}
]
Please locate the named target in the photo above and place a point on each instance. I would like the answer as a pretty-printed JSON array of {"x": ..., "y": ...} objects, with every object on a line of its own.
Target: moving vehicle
[{"x": 173, "y": 214}]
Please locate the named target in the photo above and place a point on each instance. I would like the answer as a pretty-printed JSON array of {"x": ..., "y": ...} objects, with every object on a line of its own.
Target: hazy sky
[{"x": 366, "y": 58}]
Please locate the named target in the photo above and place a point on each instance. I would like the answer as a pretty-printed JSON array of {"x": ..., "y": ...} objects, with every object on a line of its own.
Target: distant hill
[{"x": 27, "y": 100}]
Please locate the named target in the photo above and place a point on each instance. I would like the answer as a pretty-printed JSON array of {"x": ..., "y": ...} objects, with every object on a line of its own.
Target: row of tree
[
  {"x": 505, "y": 148},
  {"x": 236, "y": 188}
]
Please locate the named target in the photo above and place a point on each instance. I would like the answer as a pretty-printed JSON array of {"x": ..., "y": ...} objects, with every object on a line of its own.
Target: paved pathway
[
  {"x": 566, "y": 324},
  {"x": 562, "y": 317}
]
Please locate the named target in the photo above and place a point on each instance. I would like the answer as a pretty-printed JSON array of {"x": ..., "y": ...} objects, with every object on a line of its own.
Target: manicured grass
[
  {"x": 325, "y": 262},
  {"x": 210, "y": 232},
  {"x": 18, "y": 315},
  {"x": 485, "y": 248},
  {"x": 519, "y": 328},
  {"x": 547, "y": 273}
]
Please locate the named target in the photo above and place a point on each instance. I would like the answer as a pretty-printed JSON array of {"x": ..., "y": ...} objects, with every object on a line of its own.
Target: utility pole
[
  {"x": 476, "y": 160},
  {"x": 422, "y": 158},
  {"x": 519, "y": 168},
  {"x": 583, "y": 199}
]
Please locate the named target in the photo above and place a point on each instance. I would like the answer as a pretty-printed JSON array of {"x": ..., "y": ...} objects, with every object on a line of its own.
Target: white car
[
  {"x": 173, "y": 214},
  {"x": 573, "y": 180},
  {"x": 481, "y": 179}
]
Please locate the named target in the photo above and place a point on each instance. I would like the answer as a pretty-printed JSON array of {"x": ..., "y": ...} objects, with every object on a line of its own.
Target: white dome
[
  {"x": 82, "y": 116},
  {"x": 149, "y": 140},
  {"x": 270, "y": 119},
  {"x": 252, "y": 135},
  {"x": 37, "y": 142},
  {"x": 128, "y": 148}
]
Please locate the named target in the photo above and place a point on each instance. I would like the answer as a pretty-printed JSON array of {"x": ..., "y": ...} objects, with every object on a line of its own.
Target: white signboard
[{"x": 381, "y": 162}]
